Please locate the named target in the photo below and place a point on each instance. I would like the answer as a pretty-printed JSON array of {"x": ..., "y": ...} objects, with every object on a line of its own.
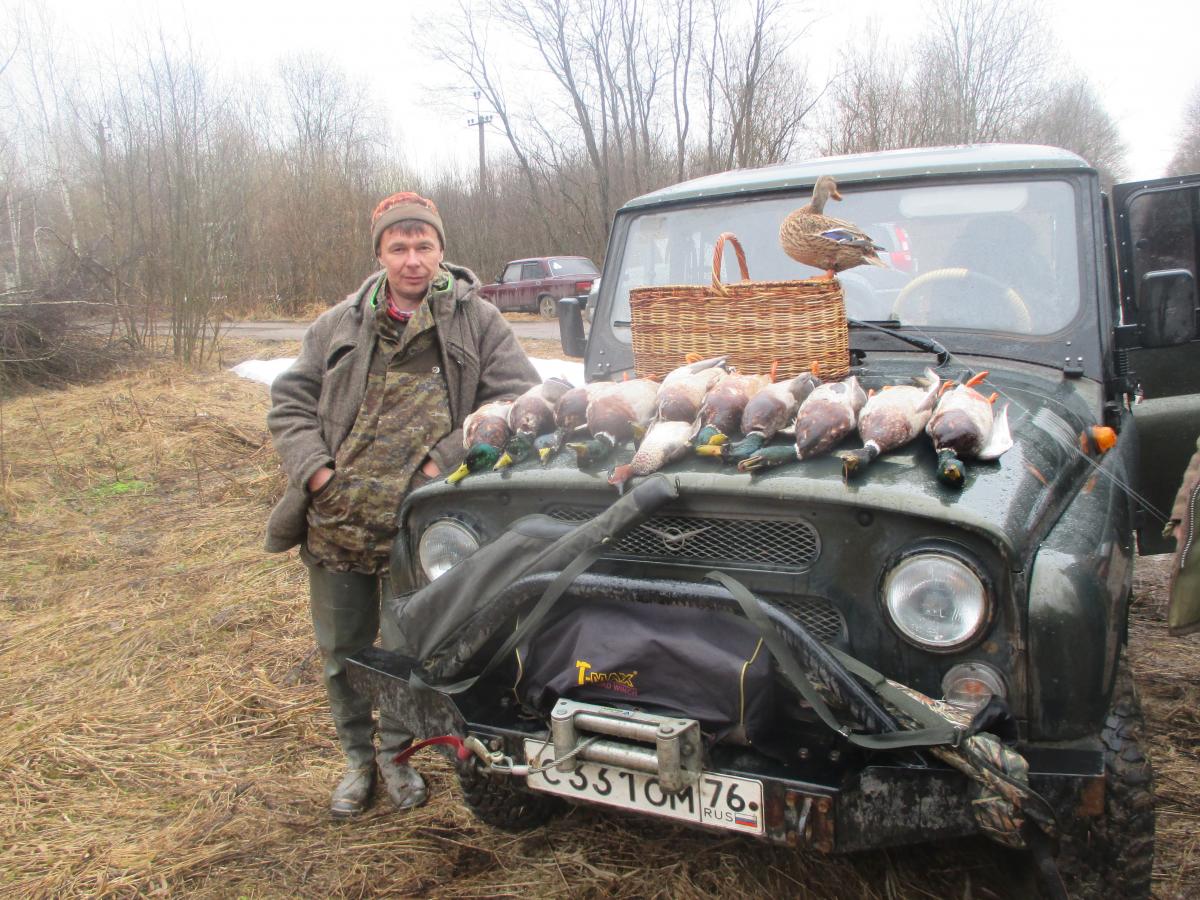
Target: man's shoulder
[{"x": 349, "y": 307}]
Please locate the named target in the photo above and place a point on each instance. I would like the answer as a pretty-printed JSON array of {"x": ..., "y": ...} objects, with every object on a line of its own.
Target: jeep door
[{"x": 1158, "y": 249}]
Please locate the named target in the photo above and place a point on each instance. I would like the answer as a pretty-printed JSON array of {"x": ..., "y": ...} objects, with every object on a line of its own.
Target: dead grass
[{"x": 162, "y": 727}]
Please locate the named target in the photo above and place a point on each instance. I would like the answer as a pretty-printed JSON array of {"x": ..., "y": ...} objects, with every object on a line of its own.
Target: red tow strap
[{"x": 448, "y": 740}]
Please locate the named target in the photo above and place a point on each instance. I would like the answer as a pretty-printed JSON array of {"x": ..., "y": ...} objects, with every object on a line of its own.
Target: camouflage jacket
[{"x": 314, "y": 403}]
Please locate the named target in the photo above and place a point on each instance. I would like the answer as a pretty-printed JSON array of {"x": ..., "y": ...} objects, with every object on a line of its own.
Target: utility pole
[{"x": 478, "y": 122}]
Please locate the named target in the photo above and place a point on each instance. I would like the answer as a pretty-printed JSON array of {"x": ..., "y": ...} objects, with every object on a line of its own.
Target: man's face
[{"x": 411, "y": 261}]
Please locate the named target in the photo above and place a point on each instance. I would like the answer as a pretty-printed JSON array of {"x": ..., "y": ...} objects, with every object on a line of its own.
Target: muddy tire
[
  {"x": 547, "y": 307},
  {"x": 1112, "y": 856},
  {"x": 502, "y": 801}
]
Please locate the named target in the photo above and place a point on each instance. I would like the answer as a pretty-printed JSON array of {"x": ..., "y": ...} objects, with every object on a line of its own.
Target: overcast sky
[{"x": 1141, "y": 56}]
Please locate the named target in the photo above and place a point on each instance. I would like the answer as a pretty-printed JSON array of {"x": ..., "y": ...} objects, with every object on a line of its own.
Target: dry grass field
[{"x": 162, "y": 730}]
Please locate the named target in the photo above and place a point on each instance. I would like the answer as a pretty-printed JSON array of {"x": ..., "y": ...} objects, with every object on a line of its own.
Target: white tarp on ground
[{"x": 265, "y": 370}]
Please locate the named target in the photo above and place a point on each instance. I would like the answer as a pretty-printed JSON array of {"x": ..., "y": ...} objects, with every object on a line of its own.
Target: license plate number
[{"x": 720, "y": 801}]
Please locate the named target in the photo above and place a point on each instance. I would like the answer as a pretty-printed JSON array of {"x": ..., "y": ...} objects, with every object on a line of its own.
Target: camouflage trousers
[{"x": 345, "y": 617}]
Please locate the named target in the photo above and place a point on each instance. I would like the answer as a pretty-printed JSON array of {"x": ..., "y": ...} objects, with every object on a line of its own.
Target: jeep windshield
[{"x": 983, "y": 256}]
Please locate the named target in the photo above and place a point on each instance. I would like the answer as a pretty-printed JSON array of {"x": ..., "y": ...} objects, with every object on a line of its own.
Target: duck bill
[
  {"x": 503, "y": 462},
  {"x": 713, "y": 450},
  {"x": 458, "y": 474},
  {"x": 545, "y": 454}
]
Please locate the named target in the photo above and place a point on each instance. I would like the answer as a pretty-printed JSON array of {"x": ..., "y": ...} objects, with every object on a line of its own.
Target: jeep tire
[
  {"x": 1112, "y": 856},
  {"x": 502, "y": 800}
]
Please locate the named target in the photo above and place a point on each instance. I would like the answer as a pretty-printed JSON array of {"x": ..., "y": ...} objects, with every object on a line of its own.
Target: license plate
[{"x": 720, "y": 801}]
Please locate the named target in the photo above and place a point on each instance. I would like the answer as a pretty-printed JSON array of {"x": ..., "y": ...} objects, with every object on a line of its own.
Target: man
[{"x": 373, "y": 408}]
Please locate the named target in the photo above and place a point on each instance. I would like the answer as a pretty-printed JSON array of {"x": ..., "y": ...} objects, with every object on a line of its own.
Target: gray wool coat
[{"x": 315, "y": 402}]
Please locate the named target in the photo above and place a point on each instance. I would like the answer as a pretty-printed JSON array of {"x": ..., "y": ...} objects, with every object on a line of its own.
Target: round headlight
[
  {"x": 444, "y": 544},
  {"x": 935, "y": 600}
]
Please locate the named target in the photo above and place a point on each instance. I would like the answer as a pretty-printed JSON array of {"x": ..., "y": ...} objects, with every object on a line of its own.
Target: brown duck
[
  {"x": 531, "y": 415},
  {"x": 815, "y": 239},
  {"x": 891, "y": 418},
  {"x": 721, "y": 411},
  {"x": 769, "y": 411},
  {"x": 828, "y": 415},
  {"x": 617, "y": 413},
  {"x": 665, "y": 441},
  {"x": 684, "y": 390},
  {"x": 570, "y": 417}
]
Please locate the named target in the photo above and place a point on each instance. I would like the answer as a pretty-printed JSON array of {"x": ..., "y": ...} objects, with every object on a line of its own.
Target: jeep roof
[{"x": 885, "y": 165}]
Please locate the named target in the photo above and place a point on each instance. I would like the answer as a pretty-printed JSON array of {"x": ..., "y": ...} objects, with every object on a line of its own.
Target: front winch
[{"x": 664, "y": 746}]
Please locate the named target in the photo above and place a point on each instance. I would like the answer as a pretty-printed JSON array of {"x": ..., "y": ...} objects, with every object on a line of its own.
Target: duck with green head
[
  {"x": 964, "y": 425},
  {"x": 828, "y": 414},
  {"x": 485, "y": 432},
  {"x": 721, "y": 412},
  {"x": 891, "y": 418},
  {"x": 531, "y": 415},
  {"x": 618, "y": 412},
  {"x": 768, "y": 412}
]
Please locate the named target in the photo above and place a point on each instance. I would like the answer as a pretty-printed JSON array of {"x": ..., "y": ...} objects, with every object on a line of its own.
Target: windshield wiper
[{"x": 921, "y": 342}]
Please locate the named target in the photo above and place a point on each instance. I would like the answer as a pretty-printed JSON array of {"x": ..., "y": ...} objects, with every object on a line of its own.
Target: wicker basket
[{"x": 755, "y": 323}]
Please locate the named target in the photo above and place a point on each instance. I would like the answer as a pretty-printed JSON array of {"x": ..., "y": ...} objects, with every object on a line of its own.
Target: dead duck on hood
[
  {"x": 531, "y": 415},
  {"x": 683, "y": 390},
  {"x": 570, "y": 418},
  {"x": 825, "y": 418},
  {"x": 890, "y": 419},
  {"x": 964, "y": 425},
  {"x": 721, "y": 411},
  {"x": 485, "y": 432},
  {"x": 815, "y": 239},
  {"x": 664, "y": 442},
  {"x": 617, "y": 413},
  {"x": 768, "y": 412}
]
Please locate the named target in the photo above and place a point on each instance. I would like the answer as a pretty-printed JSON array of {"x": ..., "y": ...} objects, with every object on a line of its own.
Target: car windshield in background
[
  {"x": 987, "y": 256},
  {"x": 567, "y": 265}
]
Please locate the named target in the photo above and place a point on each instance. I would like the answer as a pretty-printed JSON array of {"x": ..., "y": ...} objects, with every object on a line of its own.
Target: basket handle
[{"x": 718, "y": 252}]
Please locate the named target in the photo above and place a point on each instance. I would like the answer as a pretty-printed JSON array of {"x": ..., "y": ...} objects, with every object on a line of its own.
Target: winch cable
[{"x": 1068, "y": 445}]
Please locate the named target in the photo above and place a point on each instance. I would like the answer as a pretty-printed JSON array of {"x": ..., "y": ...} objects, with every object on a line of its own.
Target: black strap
[{"x": 937, "y": 731}]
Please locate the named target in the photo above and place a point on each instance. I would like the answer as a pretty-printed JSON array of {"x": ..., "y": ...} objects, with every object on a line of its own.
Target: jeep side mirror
[
  {"x": 570, "y": 327},
  {"x": 1167, "y": 308}
]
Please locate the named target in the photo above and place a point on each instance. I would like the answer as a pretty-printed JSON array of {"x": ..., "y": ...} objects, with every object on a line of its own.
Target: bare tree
[
  {"x": 1186, "y": 160},
  {"x": 981, "y": 68},
  {"x": 1071, "y": 116}
]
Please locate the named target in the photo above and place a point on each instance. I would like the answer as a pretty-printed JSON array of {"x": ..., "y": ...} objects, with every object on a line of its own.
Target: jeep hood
[{"x": 1012, "y": 501}]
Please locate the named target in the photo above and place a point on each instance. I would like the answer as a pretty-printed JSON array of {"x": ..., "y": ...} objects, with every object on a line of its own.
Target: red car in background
[{"x": 538, "y": 283}]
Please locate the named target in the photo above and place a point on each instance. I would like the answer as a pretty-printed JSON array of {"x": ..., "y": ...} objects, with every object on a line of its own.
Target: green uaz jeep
[{"x": 618, "y": 670}]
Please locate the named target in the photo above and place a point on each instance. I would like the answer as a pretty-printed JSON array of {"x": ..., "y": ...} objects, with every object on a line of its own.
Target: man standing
[{"x": 373, "y": 408}]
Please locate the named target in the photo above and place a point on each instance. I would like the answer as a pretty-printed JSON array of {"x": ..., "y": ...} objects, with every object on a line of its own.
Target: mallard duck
[
  {"x": 721, "y": 411},
  {"x": 531, "y": 415},
  {"x": 485, "y": 432},
  {"x": 684, "y": 390},
  {"x": 828, "y": 414},
  {"x": 617, "y": 413},
  {"x": 891, "y": 418},
  {"x": 815, "y": 239},
  {"x": 570, "y": 417},
  {"x": 665, "y": 441},
  {"x": 963, "y": 425},
  {"x": 768, "y": 412}
]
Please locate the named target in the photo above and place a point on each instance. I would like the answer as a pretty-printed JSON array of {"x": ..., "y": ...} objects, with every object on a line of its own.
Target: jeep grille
[{"x": 777, "y": 545}]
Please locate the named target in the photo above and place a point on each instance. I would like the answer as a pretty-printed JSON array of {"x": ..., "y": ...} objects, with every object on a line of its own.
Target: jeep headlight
[
  {"x": 443, "y": 545},
  {"x": 935, "y": 600}
]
